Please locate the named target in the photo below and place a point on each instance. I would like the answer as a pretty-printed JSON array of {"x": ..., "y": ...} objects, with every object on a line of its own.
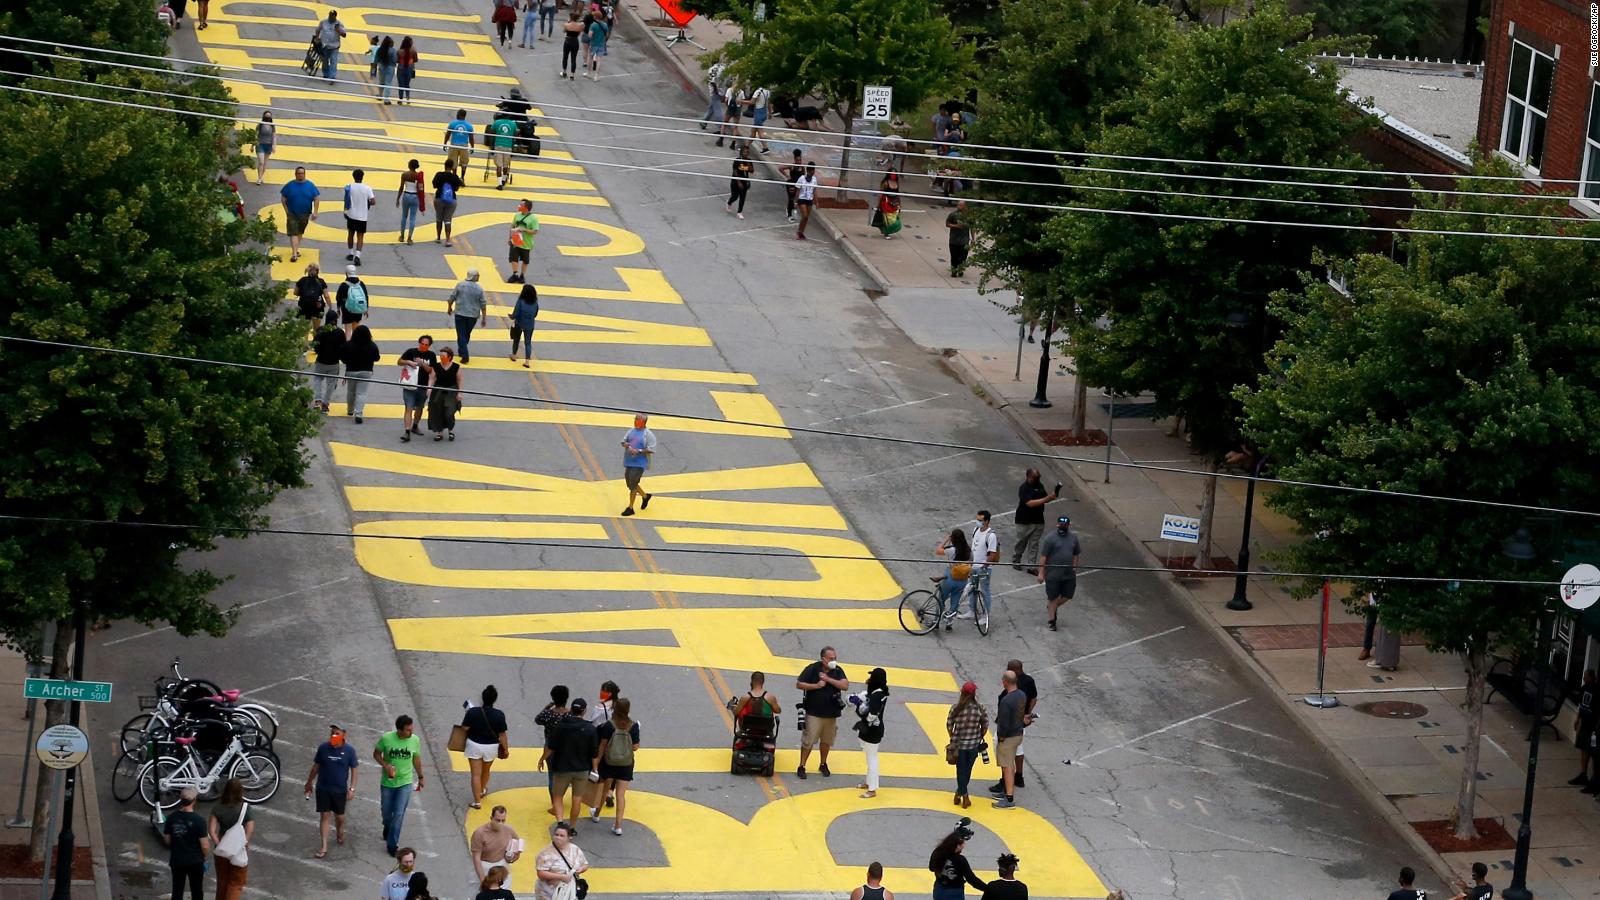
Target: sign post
[{"x": 877, "y": 103}]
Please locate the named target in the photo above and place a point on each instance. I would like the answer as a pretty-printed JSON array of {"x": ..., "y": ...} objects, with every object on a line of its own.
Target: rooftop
[{"x": 1432, "y": 103}]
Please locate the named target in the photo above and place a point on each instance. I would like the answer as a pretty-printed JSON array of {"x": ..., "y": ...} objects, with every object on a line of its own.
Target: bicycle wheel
[
  {"x": 135, "y": 733},
  {"x": 154, "y": 782},
  {"x": 125, "y": 776},
  {"x": 265, "y": 720},
  {"x": 194, "y": 689},
  {"x": 258, "y": 772},
  {"x": 983, "y": 626},
  {"x": 919, "y": 611}
]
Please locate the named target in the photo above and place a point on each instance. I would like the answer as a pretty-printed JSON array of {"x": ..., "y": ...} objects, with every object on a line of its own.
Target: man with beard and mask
[
  {"x": 1058, "y": 561},
  {"x": 333, "y": 780}
]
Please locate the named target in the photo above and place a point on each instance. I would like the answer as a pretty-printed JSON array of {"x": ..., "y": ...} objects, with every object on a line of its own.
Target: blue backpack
[
  {"x": 355, "y": 299},
  {"x": 447, "y": 192}
]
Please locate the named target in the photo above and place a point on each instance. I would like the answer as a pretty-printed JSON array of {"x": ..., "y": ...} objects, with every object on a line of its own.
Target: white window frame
[
  {"x": 1520, "y": 153},
  {"x": 1591, "y": 155}
]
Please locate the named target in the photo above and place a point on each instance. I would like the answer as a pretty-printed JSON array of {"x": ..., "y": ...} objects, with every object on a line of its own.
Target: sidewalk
[
  {"x": 1398, "y": 733},
  {"x": 91, "y": 880}
]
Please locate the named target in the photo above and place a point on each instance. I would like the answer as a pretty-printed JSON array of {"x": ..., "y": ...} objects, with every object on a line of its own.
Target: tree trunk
[
  {"x": 850, "y": 111},
  {"x": 1080, "y": 402},
  {"x": 1208, "y": 510},
  {"x": 1467, "y": 795},
  {"x": 55, "y": 713}
]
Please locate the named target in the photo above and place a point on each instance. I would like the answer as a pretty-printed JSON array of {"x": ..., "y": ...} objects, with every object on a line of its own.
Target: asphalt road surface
[{"x": 1187, "y": 781}]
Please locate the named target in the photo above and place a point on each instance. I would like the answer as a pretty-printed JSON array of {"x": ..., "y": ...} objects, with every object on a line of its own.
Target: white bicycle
[{"x": 162, "y": 780}]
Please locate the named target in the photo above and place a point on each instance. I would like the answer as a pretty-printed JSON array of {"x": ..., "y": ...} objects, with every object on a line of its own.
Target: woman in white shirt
[
  {"x": 805, "y": 189},
  {"x": 560, "y": 863}
]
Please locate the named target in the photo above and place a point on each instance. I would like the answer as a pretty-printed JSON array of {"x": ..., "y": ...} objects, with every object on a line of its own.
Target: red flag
[{"x": 675, "y": 11}]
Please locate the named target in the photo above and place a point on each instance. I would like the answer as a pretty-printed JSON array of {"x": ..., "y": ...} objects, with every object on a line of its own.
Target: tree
[
  {"x": 1395, "y": 26},
  {"x": 1470, "y": 370},
  {"x": 1177, "y": 307},
  {"x": 118, "y": 236},
  {"x": 128, "y": 25},
  {"x": 1061, "y": 63},
  {"x": 835, "y": 48}
]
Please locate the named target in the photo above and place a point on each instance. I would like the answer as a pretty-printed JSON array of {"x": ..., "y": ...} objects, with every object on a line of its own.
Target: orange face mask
[
  {"x": 638, "y": 421},
  {"x": 336, "y": 740},
  {"x": 605, "y": 695}
]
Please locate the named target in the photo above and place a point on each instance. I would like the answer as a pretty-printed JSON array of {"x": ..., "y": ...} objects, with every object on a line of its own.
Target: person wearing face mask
[
  {"x": 333, "y": 779},
  {"x": 638, "y": 445},
  {"x": 822, "y": 682},
  {"x": 599, "y": 714},
  {"x": 870, "y": 709},
  {"x": 1058, "y": 562}
]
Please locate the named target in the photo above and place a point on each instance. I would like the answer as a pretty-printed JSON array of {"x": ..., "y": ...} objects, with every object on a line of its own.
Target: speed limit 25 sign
[{"x": 876, "y": 106}]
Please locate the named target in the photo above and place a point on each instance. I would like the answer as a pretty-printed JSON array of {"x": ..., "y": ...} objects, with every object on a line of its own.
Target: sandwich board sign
[{"x": 1180, "y": 528}]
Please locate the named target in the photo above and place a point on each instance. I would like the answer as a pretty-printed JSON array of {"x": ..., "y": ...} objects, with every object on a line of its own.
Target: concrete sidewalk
[{"x": 14, "y": 748}]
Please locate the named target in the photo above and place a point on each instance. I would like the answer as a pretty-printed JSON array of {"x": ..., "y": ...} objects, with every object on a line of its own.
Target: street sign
[
  {"x": 1180, "y": 528},
  {"x": 62, "y": 747},
  {"x": 81, "y": 691},
  {"x": 1580, "y": 587},
  {"x": 878, "y": 103}
]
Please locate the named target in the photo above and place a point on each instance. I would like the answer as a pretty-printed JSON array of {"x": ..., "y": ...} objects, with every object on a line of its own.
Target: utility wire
[
  {"x": 917, "y": 141},
  {"x": 757, "y": 554},
  {"x": 905, "y": 194},
  {"x": 362, "y": 137},
  {"x": 824, "y": 432}
]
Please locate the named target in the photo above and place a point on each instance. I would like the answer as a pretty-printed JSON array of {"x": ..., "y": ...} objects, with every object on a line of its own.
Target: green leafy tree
[
  {"x": 1061, "y": 63},
  {"x": 1177, "y": 307},
  {"x": 129, "y": 25},
  {"x": 1470, "y": 370},
  {"x": 835, "y": 48},
  {"x": 115, "y": 232},
  {"x": 1395, "y": 26}
]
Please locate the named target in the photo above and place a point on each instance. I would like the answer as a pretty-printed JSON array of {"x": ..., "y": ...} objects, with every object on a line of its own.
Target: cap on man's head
[
  {"x": 579, "y": 705},
  {"x": 189, "y": 795},
  {"x": 350, "y": 271},
  {"x": 1063, "y": 520},
  {"x": 334, "y": 729}
]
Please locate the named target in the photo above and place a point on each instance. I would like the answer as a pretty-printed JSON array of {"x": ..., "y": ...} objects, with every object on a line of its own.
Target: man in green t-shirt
[
  {"x": 502, "y": 136},
  {"x": 524, "y": 225},
  {"x": 399, "y": 755}
]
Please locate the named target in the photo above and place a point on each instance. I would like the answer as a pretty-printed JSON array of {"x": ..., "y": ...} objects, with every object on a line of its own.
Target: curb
[
  {"x": 692, "y": 83},
  {"x": 91, "y": 812},
  {"x": 1347, "y": 767}
]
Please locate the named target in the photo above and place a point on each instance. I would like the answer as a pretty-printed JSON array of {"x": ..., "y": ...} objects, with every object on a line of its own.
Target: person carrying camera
[{"x": 822, "y": 681}]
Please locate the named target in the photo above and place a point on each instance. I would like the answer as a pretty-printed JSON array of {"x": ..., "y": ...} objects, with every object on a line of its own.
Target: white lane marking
[
  {"x": 1123, "y": 645},
  {"x": 707, "y": 237},
  {"x": 1163, "y": 730},
  {"x": 1259, "y": 758},
  {"x": 311, "y": 820},
  {"x": 878, "y": 410},
  {"x": 926, "y": 462},
  {"x": 253, "y": 603},
  {"x": 1235, "y": 837},
  {"x": 1255, "y": 731},
  {"x": 1234, "y": 779},
  {"x": 379, "y": 697},
  {"x": 683, "y": 199}
]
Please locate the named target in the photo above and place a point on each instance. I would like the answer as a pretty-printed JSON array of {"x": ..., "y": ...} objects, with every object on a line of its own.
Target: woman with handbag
[
  {"x": 524, "y": 316},
  {"x": 231, "y": 826},
  {"x": 485, "y": 742},
  {"x": 443, "y": 401},
  {"x": 958, "y": 553},
  {"x": 967, "y": 723},
  {"x": 559, "y": 866},
  {"x": 869, "y": 725}
]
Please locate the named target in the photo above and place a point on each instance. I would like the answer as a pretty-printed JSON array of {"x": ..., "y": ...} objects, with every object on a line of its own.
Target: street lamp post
[
  {"x": 1240, "y": 602},
  {"x": 1520, "y": 548},
  {"x": 1040, "y": 401}
]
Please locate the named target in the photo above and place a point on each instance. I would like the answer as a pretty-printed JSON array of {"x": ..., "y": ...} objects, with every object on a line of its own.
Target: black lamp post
[
  {"x": 1519, "y": 547},
  {"x": 1040, "y": 401},
  {"x": 1240, "y": 602}
]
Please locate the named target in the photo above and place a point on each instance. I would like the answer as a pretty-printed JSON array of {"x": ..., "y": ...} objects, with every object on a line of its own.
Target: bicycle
[
  {"x": 920, "y": 608},
  {"x": 162, "y": 780},
  {"x": 179, "y": 693}
]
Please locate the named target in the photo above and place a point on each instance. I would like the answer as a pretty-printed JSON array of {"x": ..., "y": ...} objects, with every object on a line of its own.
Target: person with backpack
[
  {"x": 352, "y": 300},
  {"x": 714, "y": 88},
  {"x": 524, "y": 227},
  {"x": 619, "y": 738},
  {"x": 446, "y": 187},
  {"x": 311, "y": 295},
  {"x": 360, "y": 354},
  {"x": 328, "y": 35},
  {"x": 328, "y": 349},
  {"x": 266, "y": 140},
  {"x": 599, "y": 33},
  {"x": 760, "y": 100}
]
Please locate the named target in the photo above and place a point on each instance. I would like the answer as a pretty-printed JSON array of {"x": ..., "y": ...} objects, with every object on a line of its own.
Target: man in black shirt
[
  {"x": 1480, "y": 889},
  {"x": 1406, "y": 891},
  {"x": 547, "y": 719},
  {"x": 1030, "y": 690},
  {"x": 573, "y": 747},
  {"x": 185, "y": 833},
  {"x": 821, "y": 681},
  {"x": 416, "y": 364},
  {"x": 1031, "y": 498},
  {"x": 1585, "y": 735},
  {"x": 1006, "y": 887}
]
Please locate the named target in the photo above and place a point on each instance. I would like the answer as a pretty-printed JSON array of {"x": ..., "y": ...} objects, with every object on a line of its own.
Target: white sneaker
[
  {"x": 594, "y": 814},
  {"x": 964, "y": 614}
]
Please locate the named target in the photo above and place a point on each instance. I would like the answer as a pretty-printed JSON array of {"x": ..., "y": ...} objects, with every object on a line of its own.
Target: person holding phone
[{"x": 1031, "y": 499}]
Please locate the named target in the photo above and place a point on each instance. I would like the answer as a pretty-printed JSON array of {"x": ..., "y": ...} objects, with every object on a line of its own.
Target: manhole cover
[{"x": 1392, "y": 709}]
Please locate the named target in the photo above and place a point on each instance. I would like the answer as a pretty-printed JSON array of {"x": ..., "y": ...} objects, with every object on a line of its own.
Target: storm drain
[{"x": 1392, "y": 709}]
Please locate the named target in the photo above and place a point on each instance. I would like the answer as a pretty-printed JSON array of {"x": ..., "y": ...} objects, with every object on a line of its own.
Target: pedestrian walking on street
[
  {"x": 951, "y": 871},
  {"x": 416, "y": 370},
  {"x": 733, "y": 109},
  {"x": 447, "y": 187},
  {"x": 870, "y": 710},
  {"x": 399, "y": 754},
  {"x": 1030, "y": 694},
  {"x": 1407, "y": 891},
  {"x": 960, "y": 238},
  {"x": 618, "y": 740},
  {"x": 372, "y": 56},
  {"x": 358, "y": 202},
  {"x": 1584, "y": 733},
  {"x": 494, "y": 844},
  {"x": 823, "y": 683},
  {"x": 967, "y": 723},
  {"x": 985, "y": 553},
  {"x": 638, "y": 445},
  {"x": 791, "y": 174},
  {"x": 560, "y": 864},
  {"x": 459, "y": 142},
  {"x": 328, "y": 36},
  {"x": 360, "y": 354},
  {"x": 388, "y": 65},
  {"x": 524, "y": 316},
  {"x": 573, "y": 746},
  {"x": 486, "y": 742},
  {"x": 417, "y": 888},
  {"x": 186, "y": 834},
  {"x": 412, "y": 198},
  {"x": 233, "y": 870},
  {"x": 715, "y": 91},
  {"x": 571, "y": 33},
  {"x": 1370, "y": 614},
  {"x": 805, "y": 192},
  {"x": 1479, "y": 889},
  {"x": 300, "y": 204},
  {"x": 398, "y": 883},
  {"x": 405, "y": 60},
  {"x": 444, "y": 395},
  {"x": 1006, "y": 887},
  {"x": 494, "y": 885},
  {"x": 739, "y": 186},
  {"x": 548, "y": 718},
  {"x": 886, "y": 215},
  {"x": 1058, "y": 563},
  {"x": 1031, "y": 498},
  {"x": 1008, "y": 724},
  {"x": 328, "y": 351},
  {"x": 958, "y": 556},
  {"x": 468, "y": 306},
  {"x": 266, "y": 141},
  {"x": 530, "y": 21},
  {"x": 599, "y": 34},
  {"x": 505, "y": 20},
  {"x": 760, "y": 101},
  {"x": 547, "y": 18},
  {"x": 873, "y": 889},
  {"x": 524, "y": 228},
  {"x": 333, "y": 780},
  {"x": 178, "y": 7},
  {"x": 598, "y": 715},
  {"x": 351, "y": 300},
  {"x": 311, "y": 295}
]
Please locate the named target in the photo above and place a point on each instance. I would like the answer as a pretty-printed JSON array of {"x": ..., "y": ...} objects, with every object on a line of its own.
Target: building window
[
  {"x": 1591, "y": 150},
  {"x": 1522, "y": 128}
]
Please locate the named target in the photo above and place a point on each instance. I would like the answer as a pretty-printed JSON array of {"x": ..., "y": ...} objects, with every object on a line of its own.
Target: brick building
[{"x": 1541, "y": 103}]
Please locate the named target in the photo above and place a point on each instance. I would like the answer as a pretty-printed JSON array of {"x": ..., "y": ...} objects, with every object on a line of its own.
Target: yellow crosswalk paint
[
  {"x": 596, "y": 370},
  {"x": 618, "y": 241},
  {"x": 468, "y": 52},
  {"x": 474, "y": 412},
  {"x": 395, "y": 161},
  {"x": 354, "y": 19},
  {"x": 526, "y": 186}
]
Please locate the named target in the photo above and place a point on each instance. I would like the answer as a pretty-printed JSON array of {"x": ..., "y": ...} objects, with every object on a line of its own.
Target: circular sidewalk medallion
[{"x": 1392, "y": 709}]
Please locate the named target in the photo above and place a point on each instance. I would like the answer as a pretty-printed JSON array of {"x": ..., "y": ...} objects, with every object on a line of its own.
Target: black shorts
[
  {"x": 1585, "y": 735},
  {"x": 1060, "y": 587},
  {"x": 331, "y": 801},
  {"x": 349, "y": 318},
  {"x": 804, "y": 202},
  {"x": 631, "y": 476},
  {"x": 617, "y": 773},
  {"x": 355, "y": 226},
  {"x": 520, "y": 254}
]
